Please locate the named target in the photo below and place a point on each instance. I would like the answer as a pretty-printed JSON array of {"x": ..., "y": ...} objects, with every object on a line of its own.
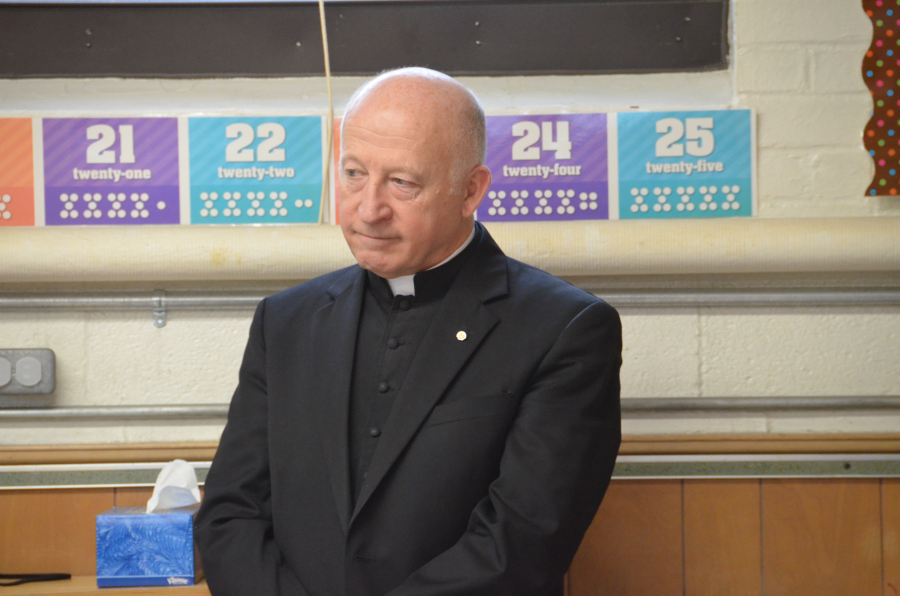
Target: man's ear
[{"x": 477, "y": 184}]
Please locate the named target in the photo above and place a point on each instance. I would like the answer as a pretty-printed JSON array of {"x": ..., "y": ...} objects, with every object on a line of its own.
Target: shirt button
[
  {"x": 382, "y": 387},
  {"x": 374, "y": 432},
  {"x": 393, "y": 343},
  {"x": 404, "y": 305}
]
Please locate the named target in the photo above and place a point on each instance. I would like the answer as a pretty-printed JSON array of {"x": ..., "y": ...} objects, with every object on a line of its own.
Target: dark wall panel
[{"x": 259, "y": 40}]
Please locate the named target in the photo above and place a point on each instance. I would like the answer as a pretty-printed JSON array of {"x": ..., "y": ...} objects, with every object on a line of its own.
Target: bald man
[{"x": 437, "y": 420}]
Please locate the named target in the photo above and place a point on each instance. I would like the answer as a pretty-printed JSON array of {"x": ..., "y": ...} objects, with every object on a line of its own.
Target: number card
[
  {"x": 547, "y": 168},
  {"x": 113, "y": 171},
  {"x": 686, "y": 164},
  {"x": 16, "y": 172},
  {"x": 255, "y": 170}
]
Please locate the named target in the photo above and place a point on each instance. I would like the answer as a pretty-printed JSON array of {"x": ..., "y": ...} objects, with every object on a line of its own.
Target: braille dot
[
  {"x": 583, "y": 196},
  {"x": 685, "y": 199},
  {"x": 214, "y": 195},
  {"x": 492, "y": 195},
  {"x": 236, "y": 195},
  {"x": 667, "y": 191},
  {"x": 208, "y": 204},
  {"x": 273, "y": 211},
  {"x": 690, "y": 190},
  {"x": 560, "y": 194},
  {"x": 645, "y": 191},
  {"x": 514, "y": 194},
  {"x": 501, "y": 194},
  {"x": 538, "y": 194},
  {"x": 680, "y": 207},
  {"x": 524, "y": 194},
  {"x": 236, "y": 212},
  {"x": 634, "y": 208},
  {"x": 667, "y": 207},
  {"x": 657, "y": 207},
  {"x": 703, "y": 190},
  {"x": 492, "y": 211},
  {"x": 543, "y": 202},
  {"x": 514, "y": 210},
  {"x": 704, "y": 206},
  {"x": 735, "y": 206},
  {"x": 134, "y": 213},
  {"x": 657, "y": 190},
  {"x": 639, "y": 200},
  {"x": 570, "y": 193},
  {"x": 524, "y": 211},
  {"x": 713, "y": 190},
  {"x": 297, "y": 203},
  {"x": 256, "y": 203},
  {"x": 726, "y": 206},
  {"x": 203, "y": 196},
  {"x": 538, "y": 210},
  {"x": 233, "y": 204},
  {"x": 251, "y": 212},
  {"x": 565, "y": 201},
  {"x": 497, "y": 202},
  {"x": 708, "y": 198},
  {"x": 226, "y": 195},
  {"x": 635, "y": 192},
  {"x": 279, "y": 204},
  {"x": 582, "y": 206},
  {"x": 593, "y": 206},
  {"x": 144, "y": 214},
  {"x": 226, "y": 212},
  {"x": 214, "y": 212},
  {"x": 308, "y": 203},
  {"x": 735, "y": 189},
  {"x": 519, "y": 202},
  {"x": 2, "y": 206},
  {"x": 282, "y": 212},
  {"x": 662, "y": 199},
  {"x": 145, "y": 196},
  {"x": 570, "y": 209},
  {"x": 7, "y": 215},
  {"x": 560, "y": 210},
  {"x": 63, "y": 214},
  {"x": 111, "y": 213},
  {"x": 74, "y": 215},
  {"x": 502, "y": 210}
]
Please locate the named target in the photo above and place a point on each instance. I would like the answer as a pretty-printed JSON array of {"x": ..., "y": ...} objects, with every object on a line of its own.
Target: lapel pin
[{"x": 461, "y": 335}]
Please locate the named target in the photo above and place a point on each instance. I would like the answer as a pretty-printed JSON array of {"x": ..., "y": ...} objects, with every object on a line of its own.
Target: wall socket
[{"x": 25, "y": 372}]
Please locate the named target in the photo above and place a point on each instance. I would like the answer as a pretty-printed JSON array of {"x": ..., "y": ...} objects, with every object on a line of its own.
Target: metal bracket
[{"x": 159, "y": 308}]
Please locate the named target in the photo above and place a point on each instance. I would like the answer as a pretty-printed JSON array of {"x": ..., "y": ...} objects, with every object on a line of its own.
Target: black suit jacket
[{"x": 488, "y": 471}]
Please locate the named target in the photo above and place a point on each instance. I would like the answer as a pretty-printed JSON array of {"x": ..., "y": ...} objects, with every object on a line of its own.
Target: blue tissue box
[{"x": 139, "y": 549}]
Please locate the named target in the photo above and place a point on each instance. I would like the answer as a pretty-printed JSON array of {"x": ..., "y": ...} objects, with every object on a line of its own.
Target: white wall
[{"x": 797, "y": 62}]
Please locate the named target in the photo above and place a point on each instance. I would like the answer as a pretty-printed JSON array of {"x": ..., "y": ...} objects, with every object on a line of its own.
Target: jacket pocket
[{"x": 486, "y": 406}]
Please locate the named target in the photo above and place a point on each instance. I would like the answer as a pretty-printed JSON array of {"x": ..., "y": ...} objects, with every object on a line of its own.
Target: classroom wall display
[
  {"x": 686, "y": 164},
  {"x": 547, "y": 168},
  {"x": 255, "y": 170},
  {"x": 112, "y": 171},
  {"x": 16, "y": 172},
  {"x": 250, "y": 170}
]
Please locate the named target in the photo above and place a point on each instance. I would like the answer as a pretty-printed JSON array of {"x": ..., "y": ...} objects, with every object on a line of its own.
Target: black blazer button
[
  {"x": 374, "y": 432},
  {"x": 404, "y": 305},
  {"x": 382, "y": 387},
  {"x": 393, "y": 343}
]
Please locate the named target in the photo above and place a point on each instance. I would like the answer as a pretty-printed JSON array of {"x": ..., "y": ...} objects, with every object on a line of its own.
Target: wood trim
[
  {"x": 631, "y": 445},
  {"x": 87, "y": 584}
]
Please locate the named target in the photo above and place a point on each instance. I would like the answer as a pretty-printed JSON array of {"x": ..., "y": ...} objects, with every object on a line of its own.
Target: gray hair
[{"x": 470, "y": 147}]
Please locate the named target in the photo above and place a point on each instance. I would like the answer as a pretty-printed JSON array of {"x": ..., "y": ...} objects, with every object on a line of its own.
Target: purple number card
[
  {"x": 547, "y": 168},
  {"x": 111, "y": 171}
]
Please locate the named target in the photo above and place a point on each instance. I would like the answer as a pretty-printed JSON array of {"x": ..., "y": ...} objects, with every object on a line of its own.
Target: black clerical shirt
[{"x": 390, "y": 331}]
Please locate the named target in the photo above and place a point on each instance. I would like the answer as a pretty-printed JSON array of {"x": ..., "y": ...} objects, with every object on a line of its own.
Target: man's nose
[{"x": 373, "y": 206}]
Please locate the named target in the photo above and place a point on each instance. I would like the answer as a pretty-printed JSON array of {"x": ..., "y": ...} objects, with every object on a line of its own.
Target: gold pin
[{"x": 461, "y": 335}]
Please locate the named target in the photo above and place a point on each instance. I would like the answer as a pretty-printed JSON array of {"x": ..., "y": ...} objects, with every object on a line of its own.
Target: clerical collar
[
  {"x": 405, "y": 285},
  {"x": 429, "y": 284}
]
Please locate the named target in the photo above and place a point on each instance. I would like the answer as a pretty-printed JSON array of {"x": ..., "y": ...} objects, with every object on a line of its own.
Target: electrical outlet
[{"x": 24, "y": 372}]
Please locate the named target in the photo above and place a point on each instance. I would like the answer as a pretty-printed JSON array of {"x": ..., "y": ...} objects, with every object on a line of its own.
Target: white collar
[{"x": 405, "y": 285}]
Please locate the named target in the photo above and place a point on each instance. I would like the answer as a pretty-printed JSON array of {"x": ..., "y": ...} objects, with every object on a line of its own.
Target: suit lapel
[
  {"x": 334, "y": 330},
  {"x": 440, "y": 357}
]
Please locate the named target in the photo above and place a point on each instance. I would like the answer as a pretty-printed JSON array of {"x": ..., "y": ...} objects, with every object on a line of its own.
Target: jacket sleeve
[
  {"x": 233, "y": 529},
  {"x": 555, "y": 469}
]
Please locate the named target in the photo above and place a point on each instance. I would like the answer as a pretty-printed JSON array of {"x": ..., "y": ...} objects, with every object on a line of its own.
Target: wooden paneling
[
  {"x": 634, "y": 546},
  {"x": 722, "y": 538},
  {"x": 821, "y": 537},
  {"x": 84, "y": 586},
  {"x": 890, "y": 510},
  {"x": 49, "y": 531},
  {"x": 133, "y": 496}
]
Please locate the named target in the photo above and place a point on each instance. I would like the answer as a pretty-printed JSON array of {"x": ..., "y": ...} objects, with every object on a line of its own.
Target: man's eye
[
  {"x": 351, "y": 173},
  {"x": 400, "y": 182}
]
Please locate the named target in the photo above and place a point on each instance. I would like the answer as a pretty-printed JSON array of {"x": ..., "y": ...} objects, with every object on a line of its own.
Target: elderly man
[{"x": 438, "y": 420}]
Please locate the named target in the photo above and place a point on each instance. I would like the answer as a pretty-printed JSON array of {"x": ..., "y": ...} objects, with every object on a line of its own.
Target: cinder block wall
[{"x": 797, "y": 62}]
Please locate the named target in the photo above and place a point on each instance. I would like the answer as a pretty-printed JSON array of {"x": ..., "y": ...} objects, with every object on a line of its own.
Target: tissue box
[{"x": 139, "y": 549}]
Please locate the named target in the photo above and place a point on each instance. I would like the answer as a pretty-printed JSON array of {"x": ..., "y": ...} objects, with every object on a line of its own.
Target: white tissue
[{"x": 176, "y": 486}]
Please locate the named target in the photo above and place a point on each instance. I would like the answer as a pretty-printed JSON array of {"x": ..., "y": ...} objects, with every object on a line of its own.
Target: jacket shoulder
[{"x": 313, "y": 292}]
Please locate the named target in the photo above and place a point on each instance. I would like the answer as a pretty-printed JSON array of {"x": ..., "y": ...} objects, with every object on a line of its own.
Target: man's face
[{"x": 401, "y": 210}]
